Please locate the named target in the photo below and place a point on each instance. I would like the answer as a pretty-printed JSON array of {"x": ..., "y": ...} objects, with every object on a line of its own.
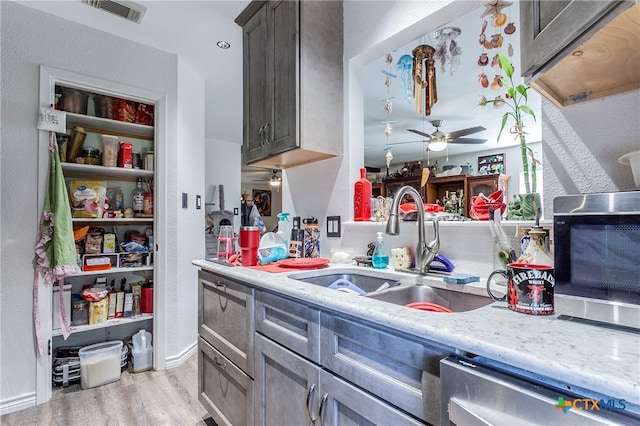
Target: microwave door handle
[{"x": 459, "y": 414}]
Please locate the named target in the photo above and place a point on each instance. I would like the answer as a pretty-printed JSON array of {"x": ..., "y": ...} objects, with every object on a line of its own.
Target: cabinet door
[
  {"x": 223, "y": 389},
  {"x": 346, "y": 405},
  {"x": 282, "y": 75},
  {"x": 286, "y": 386},
  {"x": 255, "y": 95},
  {"x": 551, "y": 29},
  {"x": 485, "y": 184},
  {"x": 398, "y": 370},
  {"x": 225, "y": 318}
]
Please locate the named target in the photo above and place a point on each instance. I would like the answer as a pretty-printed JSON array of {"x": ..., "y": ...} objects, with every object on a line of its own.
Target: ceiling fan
[
  {"x": 438, "y": 140},
  {"x": 274, "y": 180}
]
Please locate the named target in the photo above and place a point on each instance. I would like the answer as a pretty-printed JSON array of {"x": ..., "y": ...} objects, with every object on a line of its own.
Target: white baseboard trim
[
  {"x": 17, "y": 403},
  {"x": 181, "y": 358}
]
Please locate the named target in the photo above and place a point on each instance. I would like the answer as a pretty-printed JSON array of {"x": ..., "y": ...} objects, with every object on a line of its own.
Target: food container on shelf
[
  {"x": 103, "y": 106},
  {"x": 89, "y": 156},
  {"x": 124, "y": 110},
  {"x": 100, "y": 364},
  {"x": 78, "y": 135},
  {"x": 110, "y": 150},
  {"x": 79, "y": 312},
  {"x": 74, "y": 100},
  {"x": 125, "y": 156}
]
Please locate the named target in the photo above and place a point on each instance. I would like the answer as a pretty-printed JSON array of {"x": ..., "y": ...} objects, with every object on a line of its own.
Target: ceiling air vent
[{"x": 125, "y": 9}]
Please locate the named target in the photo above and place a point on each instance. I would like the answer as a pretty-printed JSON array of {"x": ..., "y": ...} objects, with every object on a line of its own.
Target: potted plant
[{"x": 528, "y": 204}]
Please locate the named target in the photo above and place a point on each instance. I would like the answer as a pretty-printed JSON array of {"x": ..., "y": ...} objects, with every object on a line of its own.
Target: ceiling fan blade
[
  {"x": 464, "y": 132},
  {"x": 418, "y": 132},
  {"x": 468, "y": 141},
  {"x": 405, "y": 142}
]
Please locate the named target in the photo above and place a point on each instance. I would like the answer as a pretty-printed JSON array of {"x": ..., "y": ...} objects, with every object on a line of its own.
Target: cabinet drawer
[
  {"x": 346, "y": 405},
  {"x": 225, "y": 318},
  {"x": 398, "y": 370},
  {"x": 223, "y": 389},
  {"x": 291, "y": 324}
]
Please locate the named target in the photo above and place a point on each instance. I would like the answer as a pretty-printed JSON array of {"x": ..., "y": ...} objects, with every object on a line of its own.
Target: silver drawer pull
[
  {"x": 310, "y": 392},
  {"x": 321, "y": 409},
  {"x": 220, "y": 284},
  {"x": 219, "y": 363}
]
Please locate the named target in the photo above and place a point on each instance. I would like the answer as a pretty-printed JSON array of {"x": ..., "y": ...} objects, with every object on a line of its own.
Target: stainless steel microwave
[{"x": 597, "y": 256}]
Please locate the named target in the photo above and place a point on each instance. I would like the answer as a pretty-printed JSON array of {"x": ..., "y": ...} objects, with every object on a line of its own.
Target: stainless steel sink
[
  {"x": 454, "y": 300},
  {"x": 366, "y": 281}
]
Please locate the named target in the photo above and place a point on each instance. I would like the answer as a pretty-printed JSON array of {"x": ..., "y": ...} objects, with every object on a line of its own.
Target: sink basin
[
  {"x": 454, "y": 300},
  {"x": 366, "y": 281}
]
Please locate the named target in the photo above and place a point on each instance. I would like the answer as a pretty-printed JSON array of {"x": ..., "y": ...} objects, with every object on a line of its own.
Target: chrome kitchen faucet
[{"x": 425, "y": 252}]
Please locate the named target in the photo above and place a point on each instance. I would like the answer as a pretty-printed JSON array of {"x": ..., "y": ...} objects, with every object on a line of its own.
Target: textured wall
[{"x": 582, "y": 144}]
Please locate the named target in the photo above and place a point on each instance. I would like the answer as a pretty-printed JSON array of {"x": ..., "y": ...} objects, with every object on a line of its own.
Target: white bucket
[{"x": 633, "y": 159}]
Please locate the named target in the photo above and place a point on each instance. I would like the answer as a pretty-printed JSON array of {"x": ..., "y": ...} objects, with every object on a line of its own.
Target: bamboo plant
[{"x": 516, "y": 100}]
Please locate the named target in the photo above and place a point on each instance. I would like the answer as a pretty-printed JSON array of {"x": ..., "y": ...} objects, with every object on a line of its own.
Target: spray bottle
[
  {"x": 380, "y": 258},
  {"x": 284, "y": 228}
]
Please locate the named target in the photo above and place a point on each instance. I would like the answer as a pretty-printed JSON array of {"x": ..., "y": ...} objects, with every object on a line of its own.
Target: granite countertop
[{"x": 600, "y": 360}]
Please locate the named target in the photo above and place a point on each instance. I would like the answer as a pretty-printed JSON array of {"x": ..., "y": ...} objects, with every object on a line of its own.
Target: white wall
[
  {"x": 182, "y": 319},
  {"x": 29, "y": 39},
  {"x": 582, "y": 144},
  {"x": 222, "y": 167}
]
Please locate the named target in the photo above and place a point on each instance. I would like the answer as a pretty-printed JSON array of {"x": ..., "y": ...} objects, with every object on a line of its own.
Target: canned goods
[{"x": 147, "y": 206}]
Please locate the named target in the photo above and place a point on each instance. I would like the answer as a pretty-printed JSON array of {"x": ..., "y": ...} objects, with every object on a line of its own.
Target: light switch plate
[
  {"x": 333, "y": 226},
  {"x": 198, "y": 202},
  {"x": 185, "y": 200}
]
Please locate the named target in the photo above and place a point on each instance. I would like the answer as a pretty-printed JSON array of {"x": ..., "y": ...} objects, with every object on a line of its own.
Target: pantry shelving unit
[{"x": 143, "y": 138}]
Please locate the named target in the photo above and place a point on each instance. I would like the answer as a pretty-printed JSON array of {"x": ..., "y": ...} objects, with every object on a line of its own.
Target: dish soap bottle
[
  {"x": 284, "y": 228},
  {"x": 380, "y": 258}
]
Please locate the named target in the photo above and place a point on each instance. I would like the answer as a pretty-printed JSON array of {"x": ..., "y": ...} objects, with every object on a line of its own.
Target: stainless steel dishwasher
[{"x": 475, "y": 392}]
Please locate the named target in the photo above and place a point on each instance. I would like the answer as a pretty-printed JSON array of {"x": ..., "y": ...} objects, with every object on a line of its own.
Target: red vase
[{"x": 362, "y": 198}]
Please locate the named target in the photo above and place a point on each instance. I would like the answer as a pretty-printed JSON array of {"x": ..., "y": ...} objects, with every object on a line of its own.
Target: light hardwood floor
[{"x": 167, "y": 397}]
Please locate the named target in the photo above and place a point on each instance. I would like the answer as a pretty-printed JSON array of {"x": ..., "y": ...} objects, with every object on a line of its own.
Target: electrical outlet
[{"x": 185, "y": 200}]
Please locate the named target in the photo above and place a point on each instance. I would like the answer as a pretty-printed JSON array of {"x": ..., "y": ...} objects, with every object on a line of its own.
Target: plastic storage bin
[{"x": 100, "y": 364}]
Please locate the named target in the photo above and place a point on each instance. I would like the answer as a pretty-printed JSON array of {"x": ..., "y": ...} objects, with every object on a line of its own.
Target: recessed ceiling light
[{"x": 223, "y": 44}]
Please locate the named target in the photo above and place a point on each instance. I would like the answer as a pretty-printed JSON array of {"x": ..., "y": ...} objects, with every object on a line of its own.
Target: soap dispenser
[
  {"x": 284, "y": 227},
  {"x": 380, "y": 258}
]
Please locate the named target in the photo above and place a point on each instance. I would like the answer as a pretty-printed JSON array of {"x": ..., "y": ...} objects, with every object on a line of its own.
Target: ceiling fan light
[
  {"x": 437, "y": 145},
  {"x": 275, "y": 179}
]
